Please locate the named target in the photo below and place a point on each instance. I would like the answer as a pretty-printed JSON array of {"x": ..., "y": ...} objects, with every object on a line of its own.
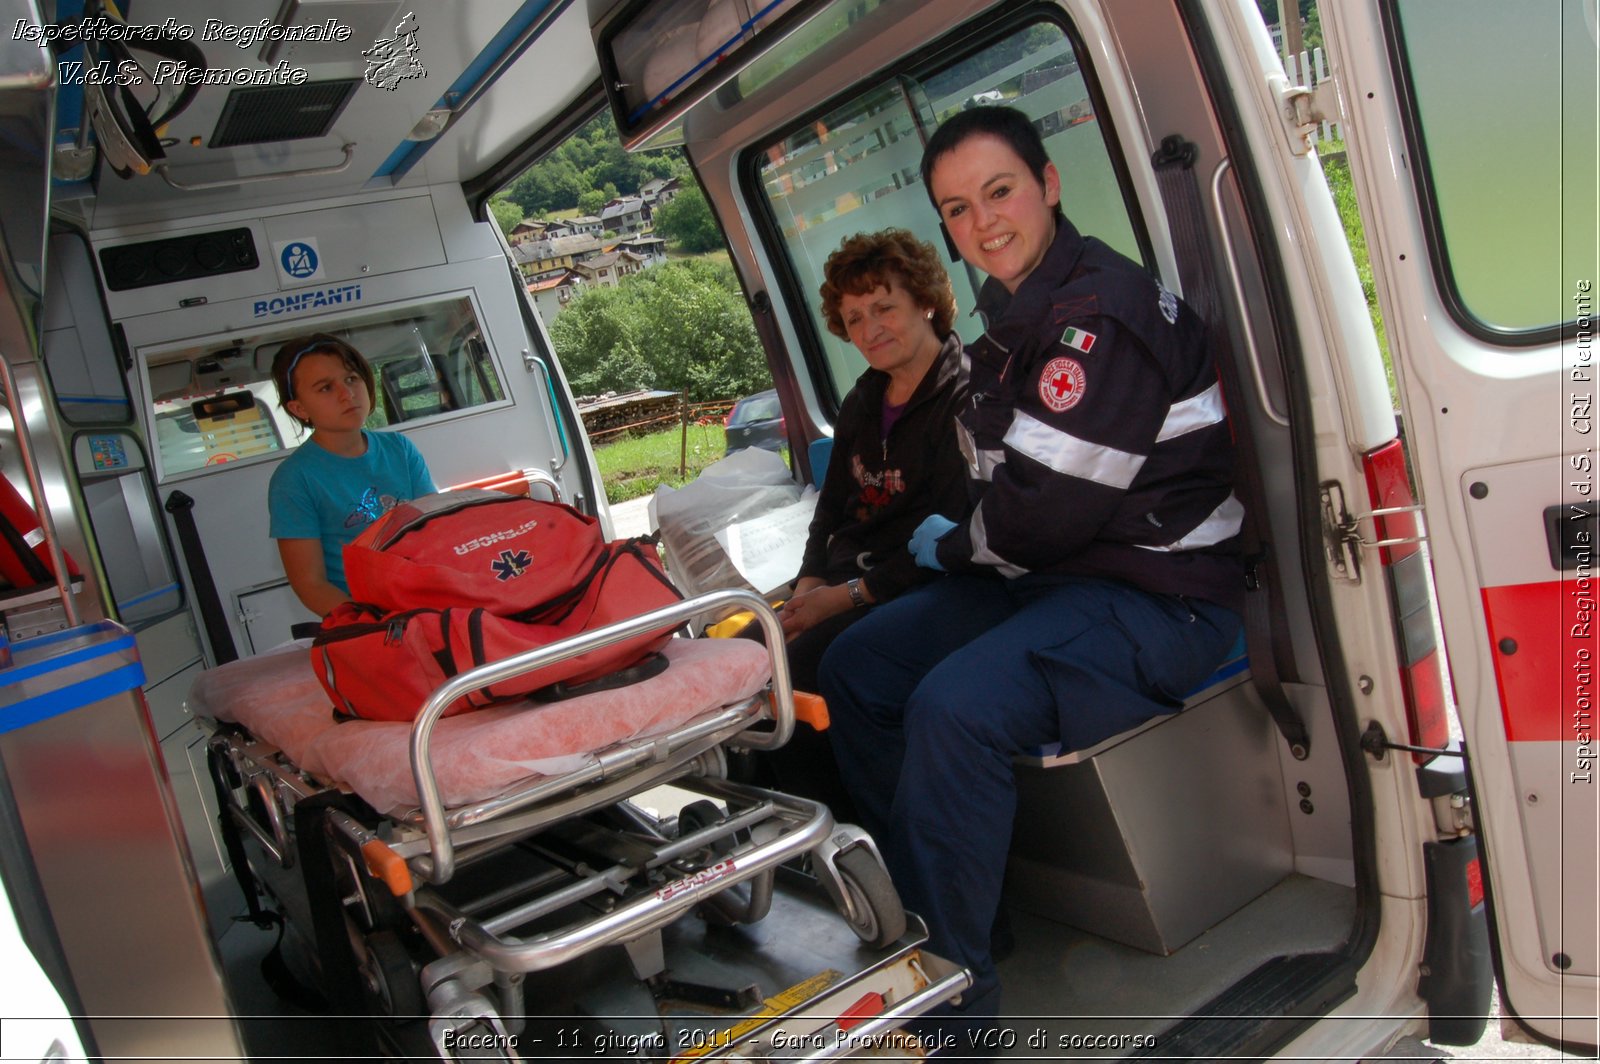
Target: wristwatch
[{"x": 856, "y": 597}]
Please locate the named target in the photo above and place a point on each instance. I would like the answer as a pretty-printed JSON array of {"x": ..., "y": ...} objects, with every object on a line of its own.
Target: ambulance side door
[{"x": 1471, "y": 129}]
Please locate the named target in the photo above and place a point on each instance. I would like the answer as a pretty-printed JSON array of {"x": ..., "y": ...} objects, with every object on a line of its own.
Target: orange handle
[
  {"x": 388, "y": 866},
  {"x": 812, "y": 709}
]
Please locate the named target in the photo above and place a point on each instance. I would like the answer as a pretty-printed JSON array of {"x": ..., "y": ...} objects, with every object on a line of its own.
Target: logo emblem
[
  {"x": 1079, "y": 339},
  {"x": 392, "y": 60},
  {"x": 1061, "y": 383},
  {"x": 511, "y": 564},
  {"x": 299, "y": 259},
  {"x": 1167, "y": 302}
]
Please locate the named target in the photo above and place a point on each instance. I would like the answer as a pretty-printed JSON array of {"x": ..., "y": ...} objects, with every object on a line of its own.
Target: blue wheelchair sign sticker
[{"x": 298, "y": 260}]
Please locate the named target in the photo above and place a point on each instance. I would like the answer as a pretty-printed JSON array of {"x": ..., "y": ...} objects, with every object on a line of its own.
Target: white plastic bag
[{"x": 744, "y": 485}]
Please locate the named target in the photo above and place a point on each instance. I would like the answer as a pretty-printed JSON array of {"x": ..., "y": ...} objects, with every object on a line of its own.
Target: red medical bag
[{"x": 444, "y": 584}]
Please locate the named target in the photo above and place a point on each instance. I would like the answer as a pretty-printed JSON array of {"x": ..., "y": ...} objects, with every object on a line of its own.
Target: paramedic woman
[
  {"x": 1094, "y": 577},
  {"x": 343, "y": 477},
  {"x": 894, "y": 462}
]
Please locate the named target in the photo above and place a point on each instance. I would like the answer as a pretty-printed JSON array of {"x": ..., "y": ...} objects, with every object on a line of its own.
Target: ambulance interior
[{"x": 1168, "y": 883}]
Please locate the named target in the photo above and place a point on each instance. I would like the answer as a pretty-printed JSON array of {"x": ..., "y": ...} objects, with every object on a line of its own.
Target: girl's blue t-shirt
[{"x": 316, "y": 494}]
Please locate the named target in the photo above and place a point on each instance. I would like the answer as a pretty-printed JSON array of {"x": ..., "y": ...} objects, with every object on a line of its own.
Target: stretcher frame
[{"x": 415, "y": 855}]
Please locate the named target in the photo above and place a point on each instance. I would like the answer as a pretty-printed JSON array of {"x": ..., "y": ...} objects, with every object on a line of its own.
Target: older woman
[
  {"x": 895, "y": 458},
  {"x": 894, "y": 462}
]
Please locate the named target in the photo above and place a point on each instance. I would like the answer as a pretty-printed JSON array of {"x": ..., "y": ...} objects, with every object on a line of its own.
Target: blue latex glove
[{"x": 925, "y": 540}]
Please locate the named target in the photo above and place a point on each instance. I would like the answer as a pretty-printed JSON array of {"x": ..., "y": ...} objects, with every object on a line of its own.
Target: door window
[
  {"x": 856, "y": 168},
  {"x": 1508, "y": 179}
]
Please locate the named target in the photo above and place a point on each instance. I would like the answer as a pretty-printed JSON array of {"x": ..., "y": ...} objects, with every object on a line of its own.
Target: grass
[
  {"x": 721, "y": 255},
  {"x": 635, "y": 465}
]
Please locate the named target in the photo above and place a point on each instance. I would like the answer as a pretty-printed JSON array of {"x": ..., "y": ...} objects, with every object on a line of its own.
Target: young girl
[{"x": 341, "y": 479}]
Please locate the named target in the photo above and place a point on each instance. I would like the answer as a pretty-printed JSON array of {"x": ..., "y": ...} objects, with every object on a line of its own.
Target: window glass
[
  {"x": 214, "y": 402},
  {"x": 815, "y": 35},
  {"x": 1505, "y": 104},
  {"x": 856, "y": 169}
]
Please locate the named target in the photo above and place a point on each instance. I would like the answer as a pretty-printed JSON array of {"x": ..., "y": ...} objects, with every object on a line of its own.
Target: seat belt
[
  {"x": 202, "y": 584},
  {"x": 1271, "y": 660}
]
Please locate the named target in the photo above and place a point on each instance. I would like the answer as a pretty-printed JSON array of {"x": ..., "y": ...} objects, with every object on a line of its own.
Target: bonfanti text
[{"x": 301, "y": 301}]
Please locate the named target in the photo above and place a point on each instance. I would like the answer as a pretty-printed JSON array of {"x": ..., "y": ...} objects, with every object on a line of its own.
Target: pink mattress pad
[{"x": 476, "y": 755}]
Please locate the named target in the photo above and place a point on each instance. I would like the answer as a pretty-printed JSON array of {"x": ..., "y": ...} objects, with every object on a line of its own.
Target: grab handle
[{"x": 1252, "y": 350}]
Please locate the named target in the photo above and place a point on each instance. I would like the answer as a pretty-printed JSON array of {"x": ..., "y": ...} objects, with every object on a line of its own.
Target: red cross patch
[{"x": 1061, "y": 384}]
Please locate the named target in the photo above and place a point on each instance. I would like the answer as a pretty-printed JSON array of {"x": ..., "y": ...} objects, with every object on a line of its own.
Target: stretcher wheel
[
  {"x": 390, "y": 977},
  {"x": 880, "y": 918},
  {"x": 742, "y": 904},
  {"x": 699, "y": 814}
]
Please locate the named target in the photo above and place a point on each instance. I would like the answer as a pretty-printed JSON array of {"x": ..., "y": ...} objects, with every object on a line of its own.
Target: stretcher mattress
[{"x": 476, "y": 755}]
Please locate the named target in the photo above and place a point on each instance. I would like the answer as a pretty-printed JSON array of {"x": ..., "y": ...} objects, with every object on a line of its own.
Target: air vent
[
  {"x": 178, "y": 258},
  {"x": 265, "y": 114}
]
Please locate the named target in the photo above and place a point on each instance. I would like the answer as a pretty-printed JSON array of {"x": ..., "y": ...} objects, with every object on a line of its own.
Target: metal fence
[{"x": 1310, "y": 69}]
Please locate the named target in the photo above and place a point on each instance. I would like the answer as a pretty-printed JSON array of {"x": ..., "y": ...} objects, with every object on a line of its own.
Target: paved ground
[{"x": 631, "y": 518}]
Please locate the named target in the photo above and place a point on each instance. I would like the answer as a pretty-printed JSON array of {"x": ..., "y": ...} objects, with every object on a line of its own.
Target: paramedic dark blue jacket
[{"x": 1095, "y": 433}]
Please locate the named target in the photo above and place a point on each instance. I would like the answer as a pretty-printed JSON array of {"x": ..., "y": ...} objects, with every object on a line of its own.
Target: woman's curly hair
[{"x": 887, "y": 259}]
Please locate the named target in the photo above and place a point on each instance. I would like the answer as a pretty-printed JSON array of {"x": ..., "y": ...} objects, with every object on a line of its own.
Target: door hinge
[{"x": 1302, "y": 109}]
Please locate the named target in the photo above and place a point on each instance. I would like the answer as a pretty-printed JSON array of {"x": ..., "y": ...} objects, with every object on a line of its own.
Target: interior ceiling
[{"x": 551, "y": 73}]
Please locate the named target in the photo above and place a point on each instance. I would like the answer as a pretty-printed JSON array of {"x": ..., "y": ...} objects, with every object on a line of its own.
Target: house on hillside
[
  {"x": 610, "y": 268},
  {"x": 588, "y": 224},
  {"x": 527, "y": 229},
  {"x": 659, "y": 190},
  {"x": 625, "y": 216},
  {"x": 652, "y": 249},
  {"x": 540, "y": 258},
  {"x": 552, "y": 294}
]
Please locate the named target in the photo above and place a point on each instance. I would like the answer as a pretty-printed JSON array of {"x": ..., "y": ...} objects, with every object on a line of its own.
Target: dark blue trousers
[{"x": 932, "y": 694}]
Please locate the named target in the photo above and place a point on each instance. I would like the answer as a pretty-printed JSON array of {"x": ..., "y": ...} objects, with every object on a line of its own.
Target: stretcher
[{"x": 432, "y": 866}]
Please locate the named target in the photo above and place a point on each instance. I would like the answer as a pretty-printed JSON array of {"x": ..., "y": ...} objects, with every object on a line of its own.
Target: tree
[
  {"x": 591, "y": 159},
  {"x": 686, "y": 220},
  {"x": 683, "y": 326},
  {"x": 506, "y": 212},
  {"x": 593, "y": 201}
]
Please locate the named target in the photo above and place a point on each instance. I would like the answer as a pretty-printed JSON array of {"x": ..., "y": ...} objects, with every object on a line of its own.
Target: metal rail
[
  {"x": 646, "y": 912},
  {"x": 41, "y": 504},
  {"x": 1267, "y": 405},
  {"x": 439, "y": 866}
]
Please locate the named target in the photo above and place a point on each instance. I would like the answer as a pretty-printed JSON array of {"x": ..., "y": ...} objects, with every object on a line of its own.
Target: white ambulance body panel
[{"x": 1495, "y": 352}]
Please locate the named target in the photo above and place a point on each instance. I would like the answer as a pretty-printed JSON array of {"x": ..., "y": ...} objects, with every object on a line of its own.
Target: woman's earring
[{"x": 929, "y": 315}]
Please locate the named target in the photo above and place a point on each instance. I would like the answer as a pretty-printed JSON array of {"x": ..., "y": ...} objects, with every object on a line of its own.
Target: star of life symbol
[
  {"x": 1061, "y": 384},
  {"x": 391, "y": 61},
  {"x": 511, "y": 564}
]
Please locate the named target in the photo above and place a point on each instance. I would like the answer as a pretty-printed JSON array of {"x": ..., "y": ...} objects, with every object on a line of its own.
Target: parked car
[{"x": 756, "y": 421}]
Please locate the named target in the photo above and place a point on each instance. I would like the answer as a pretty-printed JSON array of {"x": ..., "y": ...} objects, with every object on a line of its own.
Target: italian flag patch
[{"x": 1078, "y": 339}]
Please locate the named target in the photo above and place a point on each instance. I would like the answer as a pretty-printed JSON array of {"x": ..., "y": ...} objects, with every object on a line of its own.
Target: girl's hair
[
  {"x": 297, "y": 347},
  {"x": 1005, "y": 123},
  {"x": 869, "y": 261}
]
